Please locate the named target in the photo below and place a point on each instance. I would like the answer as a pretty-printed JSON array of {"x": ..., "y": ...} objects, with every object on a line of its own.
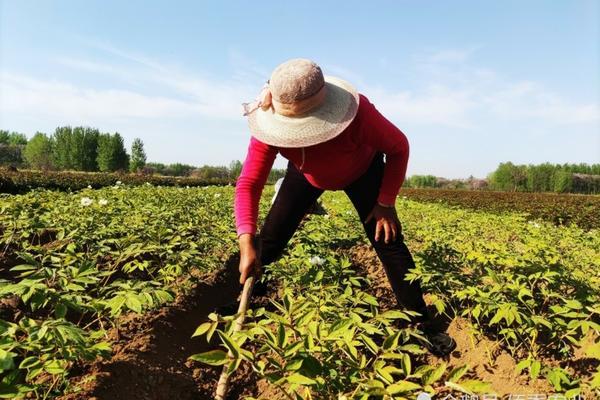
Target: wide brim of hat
[{"x": 319, "y": 125}]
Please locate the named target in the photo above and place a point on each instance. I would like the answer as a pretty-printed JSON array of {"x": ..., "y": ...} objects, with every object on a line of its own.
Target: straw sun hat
[{"x": 300, "y": 107}]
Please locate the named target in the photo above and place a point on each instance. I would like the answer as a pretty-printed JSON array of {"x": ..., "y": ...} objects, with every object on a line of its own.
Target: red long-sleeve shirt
[{"x": 330, "y": 165}]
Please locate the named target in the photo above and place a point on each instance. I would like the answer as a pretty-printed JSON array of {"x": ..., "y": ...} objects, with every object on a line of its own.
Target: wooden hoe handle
[{"x": 223, "y": 384}]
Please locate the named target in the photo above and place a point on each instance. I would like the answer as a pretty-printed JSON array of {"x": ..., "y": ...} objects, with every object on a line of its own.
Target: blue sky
[{"x": 471, "y": 83}]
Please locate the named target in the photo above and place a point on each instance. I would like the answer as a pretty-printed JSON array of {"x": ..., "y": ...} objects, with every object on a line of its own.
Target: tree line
[
  {"x": 431, "y": 181},
  {"x": 206, "y": 172},
  {"x": 546, "y": 177},
  {"x": 11, "y": 148},
  {"x": 87, "y": 149},
  {"x": 74, "y": 149},
  {"x": 82, "y": 149}
]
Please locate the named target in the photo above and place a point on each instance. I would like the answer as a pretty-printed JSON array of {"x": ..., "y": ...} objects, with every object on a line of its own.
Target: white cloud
[
  {"x": 531, "y": 100},
  {"x": 177, "y": 93},
  {"x": 23, "y": 94},
  {"x": 448, "y": 92},
  {"x": 435, "y": 105},
  {"x": 215, "y": 98},
  {"x": 455, "y": 93}
]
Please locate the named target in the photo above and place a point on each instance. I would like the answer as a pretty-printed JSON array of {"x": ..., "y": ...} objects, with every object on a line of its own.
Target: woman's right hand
[{"x": 249, "y": 262}]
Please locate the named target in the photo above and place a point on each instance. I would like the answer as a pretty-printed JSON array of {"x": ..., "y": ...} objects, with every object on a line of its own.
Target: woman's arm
[
  {"x": 250, "y": 184},
  {"x": 382, "y": 135},
  {"x": 248, "y": 190}
]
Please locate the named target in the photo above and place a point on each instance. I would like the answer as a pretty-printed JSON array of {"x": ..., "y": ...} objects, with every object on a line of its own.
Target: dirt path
[{"x": 150, "y": 352}]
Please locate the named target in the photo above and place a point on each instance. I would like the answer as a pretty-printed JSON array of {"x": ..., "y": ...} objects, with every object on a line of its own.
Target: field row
[
  {"x": 18, "y": 182},
  {"x": 560, "y": 209}
]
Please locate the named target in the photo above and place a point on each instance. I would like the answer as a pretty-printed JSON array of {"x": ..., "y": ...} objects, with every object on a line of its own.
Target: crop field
[
  {"x": 113, "y": 293},
  {"x": 560, "y": 209},
  {"x": 18, "y": 182}
]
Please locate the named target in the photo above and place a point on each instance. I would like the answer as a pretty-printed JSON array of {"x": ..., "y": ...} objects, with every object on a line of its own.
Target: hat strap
[{"x": 263, "y": 101}]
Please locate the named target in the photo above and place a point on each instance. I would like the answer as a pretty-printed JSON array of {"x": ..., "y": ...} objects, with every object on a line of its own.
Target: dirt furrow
[
  {"x": 150, "y": 351},
  {"x": 487, "y": 361}
]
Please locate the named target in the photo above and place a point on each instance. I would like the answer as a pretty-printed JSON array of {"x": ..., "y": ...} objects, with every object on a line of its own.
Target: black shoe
[{"x": 438, "y": 343}]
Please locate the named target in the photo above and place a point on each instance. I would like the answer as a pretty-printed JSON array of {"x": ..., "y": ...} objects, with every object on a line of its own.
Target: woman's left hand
[{"x": 387, "y": 222}]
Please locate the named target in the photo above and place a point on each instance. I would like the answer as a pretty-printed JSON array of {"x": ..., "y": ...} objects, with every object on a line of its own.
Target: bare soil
[{"x": 150, "y": 351}]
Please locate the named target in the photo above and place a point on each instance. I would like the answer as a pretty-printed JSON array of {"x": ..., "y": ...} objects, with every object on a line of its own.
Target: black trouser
[{"x": 295, "y": 197}]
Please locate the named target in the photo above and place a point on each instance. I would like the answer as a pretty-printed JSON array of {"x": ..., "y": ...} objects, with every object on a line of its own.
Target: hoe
[{"x": 223, "y": 384}]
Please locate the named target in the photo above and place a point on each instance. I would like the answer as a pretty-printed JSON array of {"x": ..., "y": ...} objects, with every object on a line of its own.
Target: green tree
[
  {"x": 120, "y": 154},
  {"x": 501, "y": 178},
  {"x": 11, "y": 148},
  {"x": 104, "y": 153},
  {"x": 563, "y": 181},
  {"x": 138, "y": 155},
  {"x": 11, "y": 154},
  {"x": 509, "y": 176},
  {"x": 179, "y": 169},
  {"x": 12, "y": 138},
  {"x": 235, "y": 169},
  {"x": 4, "y": 137},
  {"x": 546, "y": 177},
  {"x": 38, "y": 152},
  {"x": 112, "y": 155},
  {"x": 62, "y": 149},
  {"x": 211, "y": 172},
  {"x": 76, "y": 148},
  {"x": 519, "y": 178},
  {"x": 422, "y": 181},
  {"x": 540, "y": 178},
  {"x": 275, "y": 174},
  {"x": 158, "y": 168},
  {"x": 90, "y": 150}
]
